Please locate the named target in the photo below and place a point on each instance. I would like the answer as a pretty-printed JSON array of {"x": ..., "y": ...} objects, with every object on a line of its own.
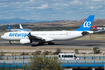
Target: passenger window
[
  {"x": 62, "y": 55},
  {"x": 67, "y": 56},
  {"x": 70, "y": 56},
  {"x": 59, "y": 56}
]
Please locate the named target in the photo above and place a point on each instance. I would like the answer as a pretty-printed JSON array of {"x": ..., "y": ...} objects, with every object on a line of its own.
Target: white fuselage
[{"x": 55, "y": 35}]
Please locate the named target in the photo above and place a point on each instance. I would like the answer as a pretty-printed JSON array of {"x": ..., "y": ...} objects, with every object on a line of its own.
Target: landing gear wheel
[
  {"x": 40, "y": 43},
  {"x": 50, "y": 43},
  {"x": 10, "y": 43}
]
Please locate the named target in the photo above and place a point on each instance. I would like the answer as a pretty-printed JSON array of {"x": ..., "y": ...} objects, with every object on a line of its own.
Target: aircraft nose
[{"x": 2, "y": 36}]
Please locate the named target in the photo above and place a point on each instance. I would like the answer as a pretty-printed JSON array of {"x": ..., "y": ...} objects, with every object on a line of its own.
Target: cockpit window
[{"x": 2, "y": 34}]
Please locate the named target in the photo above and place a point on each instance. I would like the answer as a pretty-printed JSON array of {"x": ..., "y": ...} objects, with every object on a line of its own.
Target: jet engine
[{"x": 24, "y": 41}]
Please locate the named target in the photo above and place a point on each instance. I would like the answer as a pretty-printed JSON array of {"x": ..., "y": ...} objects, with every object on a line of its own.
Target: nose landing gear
[{"x": 10, "y": 42}]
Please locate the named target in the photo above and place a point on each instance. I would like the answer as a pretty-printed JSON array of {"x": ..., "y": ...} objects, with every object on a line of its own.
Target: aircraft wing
[
  {"x": 98, "y": 31},
  {"x": 33, "y": 37}
]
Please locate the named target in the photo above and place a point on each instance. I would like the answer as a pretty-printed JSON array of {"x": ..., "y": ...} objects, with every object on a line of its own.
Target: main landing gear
[
  {"x": 49, "y": 43},
  {"x": 40, "y": 43}
]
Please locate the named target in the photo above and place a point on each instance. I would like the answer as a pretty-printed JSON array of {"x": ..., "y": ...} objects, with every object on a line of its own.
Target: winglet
[{"x": 87, "y": 24}]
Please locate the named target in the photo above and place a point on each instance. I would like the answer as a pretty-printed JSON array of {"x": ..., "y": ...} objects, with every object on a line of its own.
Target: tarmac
[
  {"x": 84, "y": 46},
  {"x": 68, "y": 43}
]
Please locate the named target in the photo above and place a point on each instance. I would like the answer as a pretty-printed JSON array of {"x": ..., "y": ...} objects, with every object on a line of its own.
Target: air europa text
[{"x": 18, "y": 34}]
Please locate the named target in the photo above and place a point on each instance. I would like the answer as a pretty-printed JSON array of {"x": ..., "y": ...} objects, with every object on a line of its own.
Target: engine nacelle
[{"x": 24, "y": 41}]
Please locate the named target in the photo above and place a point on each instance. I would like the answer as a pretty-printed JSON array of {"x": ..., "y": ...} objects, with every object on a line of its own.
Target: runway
[{"x": 78, "y": 43}]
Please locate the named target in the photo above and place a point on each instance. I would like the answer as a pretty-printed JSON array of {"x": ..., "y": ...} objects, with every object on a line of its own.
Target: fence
[
  {"x": 30, "y": 57},
  {"x": 14, "y": 65}
]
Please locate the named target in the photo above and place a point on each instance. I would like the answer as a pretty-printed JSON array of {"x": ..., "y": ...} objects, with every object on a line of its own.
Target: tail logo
[{"x": 87, "y": 24}]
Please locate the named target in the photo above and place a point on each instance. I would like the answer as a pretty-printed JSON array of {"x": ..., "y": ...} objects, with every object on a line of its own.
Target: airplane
[
  {"x": 42, "y": 37},
  {"x": 101, "y": 28},
  {"x": 97, "y": 28},
  {"x": 15, "y": 30}
]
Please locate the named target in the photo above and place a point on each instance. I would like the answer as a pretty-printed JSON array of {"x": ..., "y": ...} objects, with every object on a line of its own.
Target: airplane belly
[
  {"x": 61, "y": 37},
  {"x": 14, "y": 38}
]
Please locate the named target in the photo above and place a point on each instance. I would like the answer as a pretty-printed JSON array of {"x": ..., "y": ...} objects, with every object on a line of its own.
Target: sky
[{"x": 52, "y": 9}]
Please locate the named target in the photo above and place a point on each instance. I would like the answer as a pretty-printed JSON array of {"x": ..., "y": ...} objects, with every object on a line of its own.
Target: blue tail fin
[
  {"x": 87, "y": 24},
  {"x": 9, "y": 27}
]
